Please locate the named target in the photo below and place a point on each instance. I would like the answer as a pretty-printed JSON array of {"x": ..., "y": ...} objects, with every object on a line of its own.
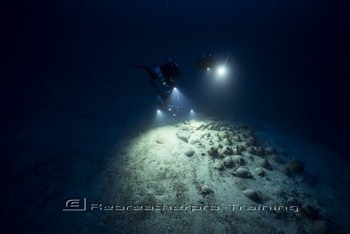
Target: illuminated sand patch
[{"x": 206, "y": 176}]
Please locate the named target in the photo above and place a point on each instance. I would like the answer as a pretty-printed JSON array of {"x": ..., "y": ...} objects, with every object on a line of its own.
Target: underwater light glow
[
  {"x": 159, "y": 115},
  {"x": 222, "y": 71},
  {"x": 174, "y": 98},
  {"x": 192, "y": 114}
]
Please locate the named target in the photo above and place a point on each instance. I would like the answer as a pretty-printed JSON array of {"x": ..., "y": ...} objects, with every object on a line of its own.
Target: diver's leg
[
  {"x": 149, "y": 71},
  {"x": 165, "y": 97},
  {"x": 161, "y": 101},
  {"x": 153, "y": 83}
]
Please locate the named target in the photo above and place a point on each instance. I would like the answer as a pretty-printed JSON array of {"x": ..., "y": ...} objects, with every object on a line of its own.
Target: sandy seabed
[{"x": 208, "y": 175}]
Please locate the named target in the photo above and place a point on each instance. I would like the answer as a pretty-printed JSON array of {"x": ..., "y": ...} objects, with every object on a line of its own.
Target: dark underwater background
[{"x": 69, "y": 90}]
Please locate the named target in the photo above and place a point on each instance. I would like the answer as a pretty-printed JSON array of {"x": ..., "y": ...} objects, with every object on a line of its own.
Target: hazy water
[{"x": 69, "y": 88}]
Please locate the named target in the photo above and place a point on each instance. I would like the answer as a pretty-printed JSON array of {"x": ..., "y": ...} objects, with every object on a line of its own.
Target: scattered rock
[
  {"x": 201, "y": 200},
  {"x": 281, "y": 151},
  {"x": 228, "y": 151},
  {"x": 189, "y": 152},
  {"x": 285, "y": 170},
  {"x": 235, "y": 151},
  {"x": 250, "y": 157},
  {"x": 243, "y": 126},
  {"x": 160, "y": 140},
  {"x": 260, "y": 151},
  {"x": 277, "y": 192},
  {"x": 213, "y": 152},
  {"x": 242, "y": 173},
  {"x": 265, "y": 164},
  {"x": 310, "y": 212},
  {"x": 216, "y": 126},
  {"x": 183, "y": 135},
  {"x": 293, "y": 202},
  {"x": 222, "y": 128},
  {"x": 240, "y": 149},
  {"x": 210, "y": 126},
  {"x": 296, "y": 166},
  {"x": 251, "y": 141},
  {"x": 270, "y": 150},
  {"x": 216, "y": 139},
  {"x": 205, "y": 134},
  {"x": 183, "y": 127},
  {"x": 252, "y": 194},
  {"x": 277, "y": 159},
  {"x": 228, "y": 162},
  {"x": 196, "y": 125},
  {"x": 260, "y": 172},
  {"x": 244, "y": 136},
  {"x": 226, "y": 141},
  {"x": 222, "y": 135},
  {"x": 249, "y": 132},
  {"x": 251, "y": 150},
  {"x": 205, "y": 190},
  {"x": 321, "y": 227},
  {"x": 237, "y": 138},
  {"x": 236, "y": 131},
  {"x": 219, "y": 165},
  {"x": 238, "y": 160},
  {"x": 300, "y": 180}
]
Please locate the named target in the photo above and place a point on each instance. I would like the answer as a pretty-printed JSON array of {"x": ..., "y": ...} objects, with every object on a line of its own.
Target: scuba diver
[
  {"x": 167, "y": 75},
  {"x": 204, "y": 63}
]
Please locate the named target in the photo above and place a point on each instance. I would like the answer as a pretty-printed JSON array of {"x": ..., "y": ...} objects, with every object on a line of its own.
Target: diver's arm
[
  {"x": 149, "y": 71},
  {"x": 153, "y": 83}
]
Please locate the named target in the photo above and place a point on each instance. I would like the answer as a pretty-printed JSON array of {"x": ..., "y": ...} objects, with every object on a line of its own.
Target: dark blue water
[{"x": 69, "y": 88}]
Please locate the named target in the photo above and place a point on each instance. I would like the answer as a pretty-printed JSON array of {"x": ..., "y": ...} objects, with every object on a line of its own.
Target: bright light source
[
  {"x": 192, "y": 114},
  {"x": 222, "y": 71},
  {"x": 159, "y": 116},
  {"x": 208, "y": 69}
]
